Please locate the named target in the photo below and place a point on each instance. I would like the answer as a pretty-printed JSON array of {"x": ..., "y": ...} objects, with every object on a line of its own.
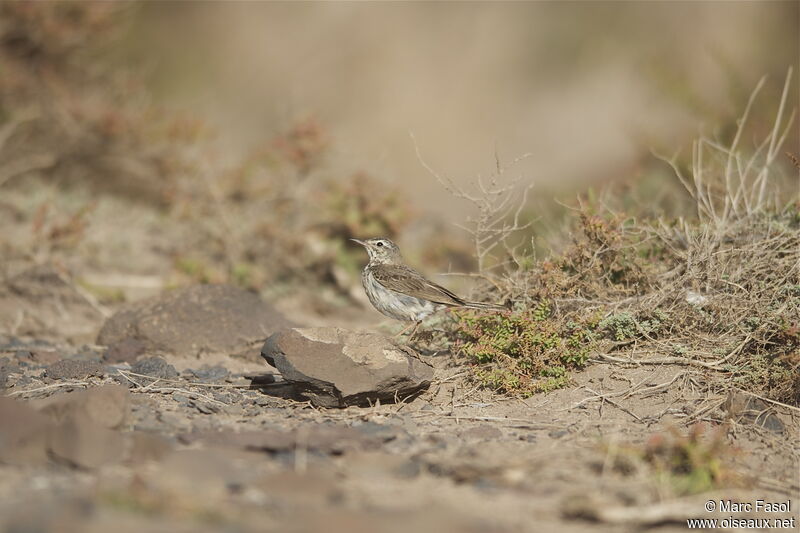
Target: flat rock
[
  {"x": 334, "y": 367},
  {"x": 192, "y": 321},
  {"x": 74, "y": 369}
]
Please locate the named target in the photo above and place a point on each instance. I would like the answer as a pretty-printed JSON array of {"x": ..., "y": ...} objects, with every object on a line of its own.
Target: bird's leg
[
  {"x": 413, "y": 331},
  {"x": 414, "y": 324}
]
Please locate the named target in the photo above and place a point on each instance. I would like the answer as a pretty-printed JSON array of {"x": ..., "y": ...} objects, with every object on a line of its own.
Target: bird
[{"x": 400, "y": 292}]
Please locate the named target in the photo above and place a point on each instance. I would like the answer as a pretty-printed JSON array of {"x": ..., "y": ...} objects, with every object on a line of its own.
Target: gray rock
[
  {"x": 333, "y": 367},
  {"x": 192, "y": 321},
  {"x": 155, "y": 367},
  {"x": 126, "y": 350},
  {"x": 74, "y": 369}
]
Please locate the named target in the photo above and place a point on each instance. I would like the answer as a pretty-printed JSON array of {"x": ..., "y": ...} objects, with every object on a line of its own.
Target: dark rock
[
  {"x": 333, "y": 367},
  {"x": 74, "y": 369},
  {"x": 155, "y": 367},
  {"x": 125, "y": 350},
  {"x": 195, "y": 320}
]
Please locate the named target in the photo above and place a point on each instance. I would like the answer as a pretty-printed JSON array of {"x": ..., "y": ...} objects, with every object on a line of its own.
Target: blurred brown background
[
  {"x": 586, "y": 88},
  {"x": 246, "y": 142}
]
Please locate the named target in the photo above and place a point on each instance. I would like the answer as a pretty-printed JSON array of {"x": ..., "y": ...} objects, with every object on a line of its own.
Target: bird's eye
[{"x": 379, "y": 243}]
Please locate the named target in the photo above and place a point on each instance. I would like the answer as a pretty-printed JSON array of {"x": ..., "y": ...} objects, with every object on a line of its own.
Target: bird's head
[{"x": 381, "y": 251}]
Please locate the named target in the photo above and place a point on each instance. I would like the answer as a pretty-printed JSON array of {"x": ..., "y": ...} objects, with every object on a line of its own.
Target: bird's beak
[{"x": 362, "y": 243}]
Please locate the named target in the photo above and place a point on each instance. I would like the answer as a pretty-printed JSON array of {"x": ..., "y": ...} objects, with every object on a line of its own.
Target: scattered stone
[
  {"x": 155, "y": 367},
  {"x": 206, "y": 408},
  {"x": 192, "y": 321},
  {"x": 333, "y": 367},
  {"x": 23, "y": 434},
  {"x": 74, "y": 369},
  {"x": 181, "y": 398},
  {"x": 209, "y": 374},
  {"x": 264, "y": 401}
]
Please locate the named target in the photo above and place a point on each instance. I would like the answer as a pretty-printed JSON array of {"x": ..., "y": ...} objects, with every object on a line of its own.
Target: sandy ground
[{"x": 211, "y": 450}]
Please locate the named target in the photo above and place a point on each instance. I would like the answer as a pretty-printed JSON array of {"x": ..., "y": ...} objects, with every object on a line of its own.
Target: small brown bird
[{"x": 400, "y": 292}]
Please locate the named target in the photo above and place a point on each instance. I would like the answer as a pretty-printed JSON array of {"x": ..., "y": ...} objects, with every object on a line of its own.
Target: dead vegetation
[{"x": 717, "y": 291}]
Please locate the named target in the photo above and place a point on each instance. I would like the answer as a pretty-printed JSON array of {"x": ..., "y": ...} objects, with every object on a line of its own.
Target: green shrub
[{"x": 524, "y": 352}]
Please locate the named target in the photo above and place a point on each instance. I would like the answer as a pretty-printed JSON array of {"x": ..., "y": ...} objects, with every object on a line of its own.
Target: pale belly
[{"x": 396, "y": 305}]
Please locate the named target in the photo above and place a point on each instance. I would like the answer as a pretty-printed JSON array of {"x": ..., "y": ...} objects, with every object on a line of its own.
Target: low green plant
[
  {"x": 626, "y": 326},
  {"x": 524, "y": 352}
]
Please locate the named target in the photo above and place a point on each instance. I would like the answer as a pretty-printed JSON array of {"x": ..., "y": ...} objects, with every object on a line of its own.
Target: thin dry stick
[
  {"x": 612, "y": 402},
  {"x": 499, "y": 208},
  {"x": 50, "y": 387}
]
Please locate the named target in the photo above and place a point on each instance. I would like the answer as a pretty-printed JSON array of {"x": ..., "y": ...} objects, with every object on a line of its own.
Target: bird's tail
[{"x": 488, "y": 307}]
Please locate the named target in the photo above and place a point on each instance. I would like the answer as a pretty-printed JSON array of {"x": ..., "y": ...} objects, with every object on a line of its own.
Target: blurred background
[
  {"x": 587, "y": 89},
  {"x": 149, "y": 146},
  {"x": 173, "y": 142}
]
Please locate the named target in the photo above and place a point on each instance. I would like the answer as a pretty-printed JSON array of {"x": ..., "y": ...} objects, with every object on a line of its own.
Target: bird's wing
[{"x": 406, "y": 280}]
